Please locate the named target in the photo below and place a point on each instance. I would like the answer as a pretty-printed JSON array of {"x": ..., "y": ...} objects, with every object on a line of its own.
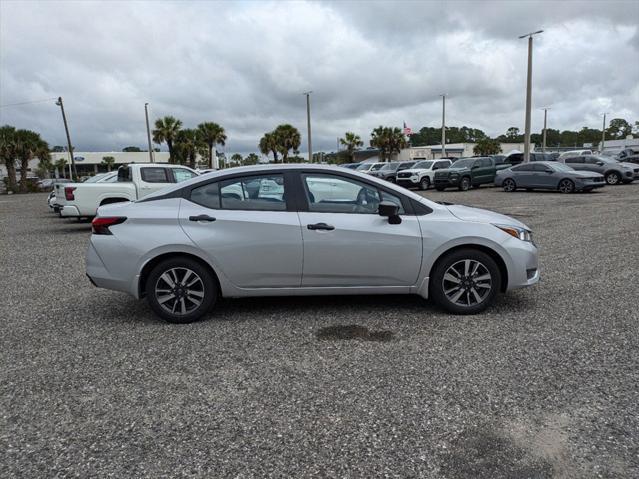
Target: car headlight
[{"x": 519, "y": 233}]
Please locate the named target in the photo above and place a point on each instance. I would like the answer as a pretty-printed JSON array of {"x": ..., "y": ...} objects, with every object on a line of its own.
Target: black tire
[
  {"x": 207, "y": 287},
  {"x": 566, "y": 186},
  {"x": 391, "y": 179},
  {"x": 464, "y": 184},
  {"x": 509, "y": 185},
  {"x": 613, "y": 178},
  {"x": 438, "y": 283},
  {"x": 440, "y": 188},
  {"x": 424, "y": 184}
]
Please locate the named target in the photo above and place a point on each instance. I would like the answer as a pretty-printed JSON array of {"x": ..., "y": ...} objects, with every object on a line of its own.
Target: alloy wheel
[
  {"x": 612, "y": 178},
  {"x": 424, "y": 184},
  {"x": 179, "y": 290},
  {"x": 467, "y": 282},
  {"x": 465, "y": 184},
  {"x": 566, "y": 186},
  {"x": 509, "y": 185}
]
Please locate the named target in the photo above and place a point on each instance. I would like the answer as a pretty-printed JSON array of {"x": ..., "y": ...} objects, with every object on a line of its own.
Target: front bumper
[
  {"x": 523, "y": 270},
  {"x": 446, "y": 182}
]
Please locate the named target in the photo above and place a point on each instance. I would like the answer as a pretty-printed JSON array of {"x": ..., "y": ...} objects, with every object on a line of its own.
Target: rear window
[
  {"x": 154, "y": 175},
  {"x": 207, "y": 195}
]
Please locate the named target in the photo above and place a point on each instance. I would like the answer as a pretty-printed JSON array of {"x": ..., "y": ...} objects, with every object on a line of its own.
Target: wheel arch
[
  {"x": 113, "y": 199},
  {"x": 501, "y": 264},
  {"x": 148, "y": 267}
]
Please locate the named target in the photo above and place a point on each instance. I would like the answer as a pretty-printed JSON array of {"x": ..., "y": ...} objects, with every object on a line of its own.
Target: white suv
[{"x": 421, "y": 174}]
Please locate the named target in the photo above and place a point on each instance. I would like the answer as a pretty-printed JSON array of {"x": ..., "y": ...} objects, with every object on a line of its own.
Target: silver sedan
[{"x": 303, "y": 230}]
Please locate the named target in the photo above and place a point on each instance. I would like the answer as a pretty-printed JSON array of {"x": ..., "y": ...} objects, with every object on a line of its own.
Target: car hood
[
  {"x": 413, "y": 170},
  {"x": 468, "y": 213}
]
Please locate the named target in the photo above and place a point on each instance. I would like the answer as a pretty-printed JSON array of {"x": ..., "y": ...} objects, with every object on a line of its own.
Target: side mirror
[
  {"x": 548, "y": 171},
  {"x": 390, "y": 210},
  {"x": 600, "y": 163}
]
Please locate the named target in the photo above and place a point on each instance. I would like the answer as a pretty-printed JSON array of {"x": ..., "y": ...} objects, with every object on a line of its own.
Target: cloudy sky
[{"x": 246, "y": 64}]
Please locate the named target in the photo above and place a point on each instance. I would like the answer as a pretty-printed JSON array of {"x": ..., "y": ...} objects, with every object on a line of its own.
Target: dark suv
[{"x": 467, "y": 172}]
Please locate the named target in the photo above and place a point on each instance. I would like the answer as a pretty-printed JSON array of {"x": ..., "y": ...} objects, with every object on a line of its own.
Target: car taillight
[
  {"x": 100, "y": 224},
  {"x": 68, "y": 193}
]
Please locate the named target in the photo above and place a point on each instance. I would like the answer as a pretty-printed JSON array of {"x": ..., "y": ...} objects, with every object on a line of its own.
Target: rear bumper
[
  {"x": 101, "y": 277},
  {"x": 69, "y": 211}
]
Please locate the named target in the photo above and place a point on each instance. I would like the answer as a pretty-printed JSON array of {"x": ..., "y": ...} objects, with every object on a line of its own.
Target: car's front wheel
[
  {"x": 424, "y": 184},
  {"x": 566, "y": 186},
  {"x": 613, "y": 178},
  {"x": 181, "y": 290},
  {"x": 509, "y": 185},
  {"x": 465, "y": 281},
  {"x": 464, "y": 184}
]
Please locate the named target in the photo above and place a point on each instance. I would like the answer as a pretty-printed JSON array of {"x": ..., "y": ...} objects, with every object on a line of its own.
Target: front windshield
[
  {"x": 423, "y": 165},
  {"x": 464, "y": 163},
  {"x": 561, "y": 167},
  {"x": 377, "y": 166},
  {"x": 390, "y": 166}
]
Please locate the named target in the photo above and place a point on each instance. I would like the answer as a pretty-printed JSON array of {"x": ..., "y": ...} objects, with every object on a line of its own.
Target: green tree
[
  {"x": 186, "y": 146},
  {"x": 29, "y": 146},
  {"x": 351, "y": 142},
  {"x": 211, "y": 134},
  {"x": 236, "y": 159},
  {"x": 131, "y": 149},
  {"x": 44, "y": 167},
  {"x": 268, "y": 144},
  {"x": 251, "y": 159},
  {"x": 60, "y": 165},
  {"x": 8, "y": 154},
  {"x": 390, "y": 141},
  {"x": 166, "y": 130},
  {"x": 287, "y": 138},
  {"x": 618, "y": 129},
  {"x": 108, "y": 161},
  {"x": 487, "y": 146}
]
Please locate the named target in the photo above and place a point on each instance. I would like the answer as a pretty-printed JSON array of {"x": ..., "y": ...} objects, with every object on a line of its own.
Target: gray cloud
[{"x": 246, "y": 64}]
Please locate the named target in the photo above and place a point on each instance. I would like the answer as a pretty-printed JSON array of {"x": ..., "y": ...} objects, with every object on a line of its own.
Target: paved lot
[{"x": 544, "y": 384}]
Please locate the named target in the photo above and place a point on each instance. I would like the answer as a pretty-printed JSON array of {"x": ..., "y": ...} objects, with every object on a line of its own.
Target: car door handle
[
  {"x": 321, "y": 226},
  {"x": 202, "y": 218}
]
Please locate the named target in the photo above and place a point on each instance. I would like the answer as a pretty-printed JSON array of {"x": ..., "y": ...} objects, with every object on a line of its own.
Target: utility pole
[
  {"x": 443, "y": 125},
  {"x": 308, "y": 124},
  {"x": 66, "y": 128},
  {"x": 528, "y": 95},
  {"x": 603, "y": 134},
  {"x": 148, "y": 131},
  {"x": 543, "y": 145}
]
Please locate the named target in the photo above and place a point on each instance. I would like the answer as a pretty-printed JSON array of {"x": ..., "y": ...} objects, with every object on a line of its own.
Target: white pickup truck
[
  {"x": 134, "y": 181},
  {"x": 421, "y": 174}
]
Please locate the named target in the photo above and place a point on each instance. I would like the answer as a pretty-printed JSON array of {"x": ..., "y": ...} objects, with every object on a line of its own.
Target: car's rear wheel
[
  {"x": 181, "y": 290},
  {"x": 509, "y": 185},
  {"x": 464, "y": 184},
  {"x": 424, "y": 184},
  {"x": 613, "y": 178},
  {"x": 465, "y": 281},
  {"x": 566, "y": 186}
]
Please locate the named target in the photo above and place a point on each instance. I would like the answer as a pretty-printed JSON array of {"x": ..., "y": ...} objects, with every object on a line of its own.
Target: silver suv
[{"x": 614, "y": 172}]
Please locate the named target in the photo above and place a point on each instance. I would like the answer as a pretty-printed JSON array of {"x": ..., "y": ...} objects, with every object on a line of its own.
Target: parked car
[
  {"x": 367, "y": 167},
  {"x": 548, "y": 175},
  {"x": 625, "y": 153},
  {"x": 59, "y": 200},
  {"x": 499, "y": 159},
  {"x": 389, "y": 171},
  {"x": 517, "y": 158},
  {"x": 634, "y": 159},
  {"x": 350, "y": 166},
  {"x": 185, "y": 247},
  {"x": 421, "y": 174},
  {"x": 615, "y": 172},
  {"x": 134, "y": 182},
  {"x": 467, "y": 172},
  {"x": 566, "y": 154}
]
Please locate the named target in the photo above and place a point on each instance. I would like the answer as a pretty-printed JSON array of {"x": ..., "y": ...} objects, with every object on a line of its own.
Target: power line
[{"x": 27, "y": 102}]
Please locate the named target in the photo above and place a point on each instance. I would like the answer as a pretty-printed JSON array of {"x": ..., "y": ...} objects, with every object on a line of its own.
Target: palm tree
[
  {"x": 8, "y": 154},
  {"x": 251, "y": 159},
  {"x": 108, "y": 161},
  {"x": 211, "y": 134},
  {"x": 390, "y": 141},
  {"x": 60, "y": 165},
  {"x": 29, "y": 145},
  {"x": 287, "y": 138},
  {"x": 268, "y": 144},
  {"x": 166, "y": 130},
  {"x": 352, "y": 142},
  {"x": 186, "y": 143}
]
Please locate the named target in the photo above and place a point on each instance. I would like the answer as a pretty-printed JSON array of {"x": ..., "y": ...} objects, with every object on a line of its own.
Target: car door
[
  {"x": 576, "y": 162},
  {"x": 592, "y": 163},
  {"x": 544, "y": 176},
  {"x": 482, "y": 171},
  {"x": 247, "y": 228},
  {"x": 347, "y": 243},
  {"x": 152, "y": 179},
  {"x": 524, "y": 175}
]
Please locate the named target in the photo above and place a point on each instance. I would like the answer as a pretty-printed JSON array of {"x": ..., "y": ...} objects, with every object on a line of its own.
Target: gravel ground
[{"x": 544, "y": 384}]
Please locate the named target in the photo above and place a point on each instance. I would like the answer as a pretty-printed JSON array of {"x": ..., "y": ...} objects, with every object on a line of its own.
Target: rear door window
[
  {"x": 154, "y": 175},
  {"x": 575, "y": 159},
  {"x": 207, "y": 195}
]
